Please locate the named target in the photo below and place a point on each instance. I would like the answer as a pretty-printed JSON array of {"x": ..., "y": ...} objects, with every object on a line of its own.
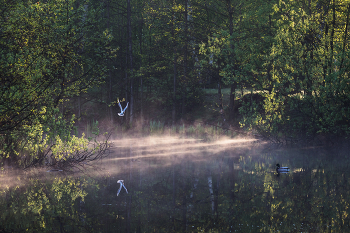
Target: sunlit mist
[{"x": 136, "y": 153}]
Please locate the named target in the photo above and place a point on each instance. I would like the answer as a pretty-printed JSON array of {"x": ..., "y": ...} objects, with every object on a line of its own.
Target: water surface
[{"x": 185, "y": 185}]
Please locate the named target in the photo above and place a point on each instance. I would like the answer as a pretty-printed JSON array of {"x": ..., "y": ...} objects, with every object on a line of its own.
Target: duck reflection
[{"x": 280, "y": 169}]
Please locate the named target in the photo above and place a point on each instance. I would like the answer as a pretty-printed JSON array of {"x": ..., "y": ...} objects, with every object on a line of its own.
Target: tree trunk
[
  {"x": 220, "y": 95},
  {"x": 131, "y": 106},
  {"x": 79, "y": 107},
  {"x": 331, "y": 59},
  {"x": 232, "y": 101},
  {"x": 110, "y": 96},
  {"x": 175, "y": 69},
  {"x": 141, "y": 78},
  {"x": 185, "y": 58},
  {"x": 109, "y": 72},
  {"x": 325, "y": 64},
  {"x": 174, "y": 89},
  {"x": 344, "y": 40},
  {"x": 234, "y": 84}
]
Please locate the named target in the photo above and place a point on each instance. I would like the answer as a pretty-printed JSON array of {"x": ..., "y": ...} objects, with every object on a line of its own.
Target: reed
[
  {"x": 202, "y": 131},
  {"x": 156, "y": 127}
]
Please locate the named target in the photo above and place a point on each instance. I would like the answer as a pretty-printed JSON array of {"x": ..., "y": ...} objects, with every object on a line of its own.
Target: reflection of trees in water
[
  {"x": 248, "y": 197},
  {"x": 222, "y": 192},
  {"x": 45, "y": 206},
  {"x": 313, "y": 199}
]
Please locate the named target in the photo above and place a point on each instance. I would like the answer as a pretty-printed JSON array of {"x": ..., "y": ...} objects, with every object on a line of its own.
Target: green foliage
[
  {"x": 63, "y": 150},
  {"x": 293, "y": 54},
  {"x": 30, "y": 143},
  {"x": 50, "y": 51}
]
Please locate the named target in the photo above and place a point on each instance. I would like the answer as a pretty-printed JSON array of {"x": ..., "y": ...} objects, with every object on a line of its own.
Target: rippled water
[{"x": 185, "y": 185}]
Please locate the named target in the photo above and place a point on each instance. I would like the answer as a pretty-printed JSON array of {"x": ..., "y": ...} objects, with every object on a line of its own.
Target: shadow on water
[{"x": 185, "y": 185}]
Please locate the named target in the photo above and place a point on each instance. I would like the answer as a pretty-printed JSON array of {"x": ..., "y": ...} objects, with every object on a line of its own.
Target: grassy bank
[{"x": 203, "y": 122}]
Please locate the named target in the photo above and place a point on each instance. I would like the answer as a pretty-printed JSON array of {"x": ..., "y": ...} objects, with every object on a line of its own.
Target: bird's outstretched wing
[
  {"x": 126, "y": 106},
  {"x": 121, "y": 108}
]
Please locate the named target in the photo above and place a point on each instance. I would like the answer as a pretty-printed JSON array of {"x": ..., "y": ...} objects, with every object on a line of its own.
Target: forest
[{"x": 65, "y": 63}]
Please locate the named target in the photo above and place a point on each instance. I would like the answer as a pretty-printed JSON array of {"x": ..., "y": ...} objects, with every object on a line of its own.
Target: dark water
[{"x": 179, "y": 185}]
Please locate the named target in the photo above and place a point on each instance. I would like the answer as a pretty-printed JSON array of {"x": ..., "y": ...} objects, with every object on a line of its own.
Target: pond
[{"x": 185, "y": 185}]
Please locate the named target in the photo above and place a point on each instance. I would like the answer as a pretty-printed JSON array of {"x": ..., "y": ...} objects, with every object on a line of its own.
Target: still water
[{"x": 185, "y": 185}]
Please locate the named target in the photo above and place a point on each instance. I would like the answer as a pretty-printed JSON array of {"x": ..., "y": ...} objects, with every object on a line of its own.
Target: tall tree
[{"x": 131, "y": 68}]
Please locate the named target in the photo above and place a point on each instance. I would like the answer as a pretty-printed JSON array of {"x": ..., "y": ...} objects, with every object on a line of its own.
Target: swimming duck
[
  {"x": 121, "y": 109},
  {"x": 280, "y": 169}
]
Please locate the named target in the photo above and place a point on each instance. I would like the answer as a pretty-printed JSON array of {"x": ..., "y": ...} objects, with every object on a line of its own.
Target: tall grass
[
  {"x": 156, "y": 127},
  {"x": 203, "y": 131}
]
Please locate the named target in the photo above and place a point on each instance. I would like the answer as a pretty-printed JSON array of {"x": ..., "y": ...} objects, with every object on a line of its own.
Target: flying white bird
[
  {"x": 121, "y": 109},
  {"x": 121, "y": 182}
]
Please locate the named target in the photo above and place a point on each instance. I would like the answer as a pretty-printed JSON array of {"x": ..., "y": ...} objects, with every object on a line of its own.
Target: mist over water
[
  {"x": 138, "y": 153},
  {"x": 186, "y": 185}
]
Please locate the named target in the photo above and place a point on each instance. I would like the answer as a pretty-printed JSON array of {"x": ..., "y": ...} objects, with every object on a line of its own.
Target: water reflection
[{"x": 186, "y": 185}]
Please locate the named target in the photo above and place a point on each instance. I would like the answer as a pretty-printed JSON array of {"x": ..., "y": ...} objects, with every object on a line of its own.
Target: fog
[
  {"x": 138, "y": 153},
  {"x": 227, "y": 184}
]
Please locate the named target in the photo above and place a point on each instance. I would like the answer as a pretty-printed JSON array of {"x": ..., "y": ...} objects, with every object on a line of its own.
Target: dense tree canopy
[
  {"x": 50, "y": 51},
  {"x": 58, "y": 56}
]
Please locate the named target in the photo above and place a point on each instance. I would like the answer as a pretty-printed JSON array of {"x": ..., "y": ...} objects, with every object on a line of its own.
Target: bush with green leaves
[{"x": 50, "y": 51}]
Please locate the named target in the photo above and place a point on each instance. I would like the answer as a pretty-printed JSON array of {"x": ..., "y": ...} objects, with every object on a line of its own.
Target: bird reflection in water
[{"x": 121, "y": 182}]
